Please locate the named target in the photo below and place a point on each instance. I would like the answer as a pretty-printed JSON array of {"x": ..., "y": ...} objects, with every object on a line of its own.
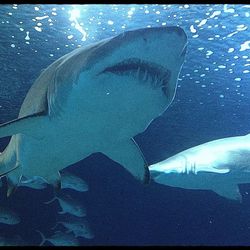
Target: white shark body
[
  {"x": 95, "y": 99},
  {"x": 218, "y": 165}
]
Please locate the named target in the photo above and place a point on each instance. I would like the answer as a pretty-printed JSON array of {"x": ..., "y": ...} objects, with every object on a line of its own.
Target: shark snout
[{"x": 151, "y": 56}]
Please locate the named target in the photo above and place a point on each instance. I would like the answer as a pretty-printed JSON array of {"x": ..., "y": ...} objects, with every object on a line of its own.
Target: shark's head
[
  {"x": 175, "y": 164},
  {"x": 174, "y": 171},
  {"x": 194, "y": 168},
  {"x": 134, "y": 74},
  {"x": 153, "y": 56}
]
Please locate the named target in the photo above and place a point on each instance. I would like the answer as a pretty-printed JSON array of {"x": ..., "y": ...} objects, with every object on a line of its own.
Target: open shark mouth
[{"x": 157, "y": 75}]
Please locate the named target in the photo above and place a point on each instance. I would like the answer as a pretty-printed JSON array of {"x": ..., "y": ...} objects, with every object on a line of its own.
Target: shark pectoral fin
[
  {"x": 20, "y": 125},
  {"x": 13, "y": 179},
  {"x": 229, "y": 191},
  {"x": 128, "y": 154}
]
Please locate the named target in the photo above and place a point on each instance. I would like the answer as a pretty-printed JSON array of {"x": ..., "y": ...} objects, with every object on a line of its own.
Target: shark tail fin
[{"x": 42, "y": 236}]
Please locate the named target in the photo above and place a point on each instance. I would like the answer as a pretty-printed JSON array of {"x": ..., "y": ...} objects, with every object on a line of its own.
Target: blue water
[{"x": 212, "y": 101}]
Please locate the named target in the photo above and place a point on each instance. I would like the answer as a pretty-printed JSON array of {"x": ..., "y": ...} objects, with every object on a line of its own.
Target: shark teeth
[
  {"x": 154, "y": 81},
  {"x": 143, "y": 70},
  {"x": 138, "y": 72},
  {"x": 145, "y": 76}
]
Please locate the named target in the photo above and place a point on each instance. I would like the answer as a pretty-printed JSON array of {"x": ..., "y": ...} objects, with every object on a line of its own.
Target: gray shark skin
[
  {"x": 94, "y": 99},
  {"x": 218, "y": 165}
]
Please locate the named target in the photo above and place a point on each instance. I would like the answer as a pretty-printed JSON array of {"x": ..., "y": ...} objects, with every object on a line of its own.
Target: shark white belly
[
  {"x": 218, "y": 165},
  {"x": 95, "y": 99}
]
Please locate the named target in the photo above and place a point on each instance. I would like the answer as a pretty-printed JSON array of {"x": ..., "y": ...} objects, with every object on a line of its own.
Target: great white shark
[
  {"x": 218, "y": 165},
  {"x": 94, "y": 99}
]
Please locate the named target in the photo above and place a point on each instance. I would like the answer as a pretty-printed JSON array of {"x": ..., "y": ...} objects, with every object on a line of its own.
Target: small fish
[
  {"x": 8, "y": 216},
  {"x": 79, "y": 226},
  {"x": 35, "y": 182},
  {"x": 60, "y": 239},
  {"x": 16, "y": 240},
  {"x": 68, "y": 180},
  {"x": 73, "y": 182},
  {"x": 69, "y": 205}
]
